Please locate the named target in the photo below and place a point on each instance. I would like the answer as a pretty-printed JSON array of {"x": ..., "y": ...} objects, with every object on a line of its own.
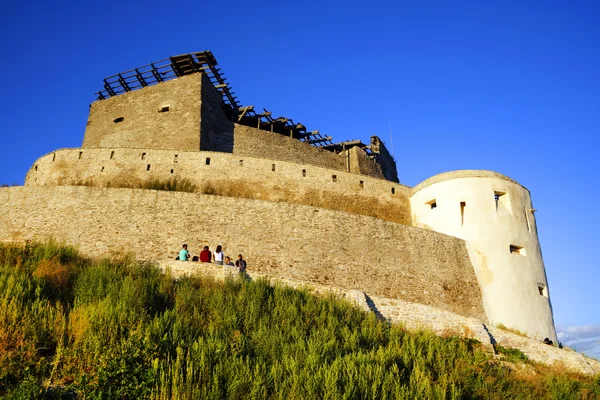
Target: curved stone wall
[
  {"x": 298, "y": 242},
  {"x": 229, "y": 175},
  {"x": 494, "y": 215}
]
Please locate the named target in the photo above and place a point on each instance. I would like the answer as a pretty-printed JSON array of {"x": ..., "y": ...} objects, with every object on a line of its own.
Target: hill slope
[{"x": 116, "y": 329}]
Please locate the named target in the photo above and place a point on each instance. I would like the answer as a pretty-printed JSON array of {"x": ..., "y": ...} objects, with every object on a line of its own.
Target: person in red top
[{"x": 205, "y": 255}]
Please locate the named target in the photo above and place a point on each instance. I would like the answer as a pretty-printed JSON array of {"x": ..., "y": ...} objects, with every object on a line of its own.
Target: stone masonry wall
[
  {"x": 296, "y": 242},
  {"x": 143, "y": 125},
  {"x": 227, "y": 174},
  {"x": 254, "y": 142},
  {"x": 216, "y": 131},
  {"x": 361, "y": 164}
]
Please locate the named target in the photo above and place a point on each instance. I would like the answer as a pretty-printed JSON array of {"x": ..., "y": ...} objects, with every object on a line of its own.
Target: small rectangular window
[
  {"x": 207, "y": 161},
  {"x": 80, "y": 154},
  {"x": 393, "y": 190},
  {"x": 143, "y": 156},
  {"x": 148, "y": 167},
  {"x": 542, "y": 289},
  {"x": 304, "y": 173},
  {"x": 463, "y": 204},
  {"x": 517, "y": 249},
  {"x": 36, "y": 167},
  {"x": 164, "y": 109},
  {"x": 175, "y": 159},
  {"x": 361, "y": 184},
  {"x": 102, "y": 170},
  {"x": 273, "y": 167},
  {"x": 499, "y": 198},
  {"x": 53, "y": 156},
  {"x": 112, "y": 155},
  {"x": 172, "y": 171},
  {"x": 334, "y": 178},
  {"x": 241, "y": 163},
  {"x": 119, "y": 119},
  {"x": 432, "y": 204}
]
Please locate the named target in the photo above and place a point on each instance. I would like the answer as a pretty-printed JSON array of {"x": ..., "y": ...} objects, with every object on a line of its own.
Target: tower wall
[
  {"x": 145, "y": 121},
  {"x": 494, "y": 215}
]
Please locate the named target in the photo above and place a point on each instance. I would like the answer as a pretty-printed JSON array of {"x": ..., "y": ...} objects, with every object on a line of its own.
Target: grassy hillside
[{"x": 71, "y": 327}]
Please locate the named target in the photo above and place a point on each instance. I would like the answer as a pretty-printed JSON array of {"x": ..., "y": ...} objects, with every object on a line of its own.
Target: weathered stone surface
[
  {"x": 229, "y": 175},
  {"x": 144, "y": 125},
  {"x": 289, "y": 241}
]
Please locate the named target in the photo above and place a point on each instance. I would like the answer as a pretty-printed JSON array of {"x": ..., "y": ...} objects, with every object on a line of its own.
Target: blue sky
[{"x": 511, "y": 86}]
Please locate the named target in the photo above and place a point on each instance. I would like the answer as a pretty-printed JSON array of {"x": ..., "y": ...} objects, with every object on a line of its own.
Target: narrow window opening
[
  {"x": 334, "y": 178},
  {"x": 143, "y": 156},
  {"x": 36, "y": 167},
  {"x": 207, "y": 161},
  {"x": 148, "y": 167},
  {"x": 361, "y": 184},
  {"x": 53, "y": 156},
  {"x": 119, "y": 119},
  {"x": 517, "y": 249},
  {"x": 273, "y": 167},
  {"x": 175, "y": 158},
  {"x": 80, "y": 154},
  {"x": 498, "y": 198},
  {"x": 102, "y": 169},
  {"x": 463, "y": 204},
  {"x": 304, "y": 173},
  {"x": 542, "y": 289},
  {"x": 241, "y": 163},
  {"x": 393, "y": 190},
  {"x": 527, "y": 219},
  {"x": 112, "y": 155},
  {"x": 432, "y": 204},
  {"x": 164, "y": 109},
  {"x": 171, "y": 171}
]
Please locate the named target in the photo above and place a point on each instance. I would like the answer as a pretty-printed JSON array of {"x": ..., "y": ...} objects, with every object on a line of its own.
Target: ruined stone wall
[
  {"x": 216, "y": 131},
  {"x": 227, "y": 174},
  {"x": 298, "y": 242},
  {"x": 361, "y": 164},
  {"x": 384, "y": 159},
  {"x": 143, "y": 124},
  {"x": 258, "y": 143}
]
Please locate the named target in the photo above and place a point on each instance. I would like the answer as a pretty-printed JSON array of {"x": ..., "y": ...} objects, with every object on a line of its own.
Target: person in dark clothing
[
  {"x": 205, "y": 255},
  {"x": 241, "y": 263}
]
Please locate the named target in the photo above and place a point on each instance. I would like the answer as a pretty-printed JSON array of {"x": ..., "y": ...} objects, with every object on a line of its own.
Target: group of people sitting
[{"x": 217, "y": 257}]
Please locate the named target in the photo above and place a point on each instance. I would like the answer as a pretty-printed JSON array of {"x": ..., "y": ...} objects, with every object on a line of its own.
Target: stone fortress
[{"x": 296, "y": 204}]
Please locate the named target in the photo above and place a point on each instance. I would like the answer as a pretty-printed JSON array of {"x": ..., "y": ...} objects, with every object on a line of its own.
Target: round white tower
[{"x": 494, "y": 215}]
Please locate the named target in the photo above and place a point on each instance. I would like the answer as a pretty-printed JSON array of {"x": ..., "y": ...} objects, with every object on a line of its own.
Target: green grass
[{"x": 118, "y": 329}]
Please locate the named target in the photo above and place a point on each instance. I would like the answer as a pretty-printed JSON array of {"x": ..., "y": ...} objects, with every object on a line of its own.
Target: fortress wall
[
  {"x": 298, "y": 242},
  {"x": 229, "y": 175},
  {"x": 216, "y": 129},
  {"x": 254, "y": 142},
  {"x": 143, "y": 125}
]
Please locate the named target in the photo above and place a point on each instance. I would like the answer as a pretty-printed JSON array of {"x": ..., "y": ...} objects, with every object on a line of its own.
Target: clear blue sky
[{"x": 511, "y": 86}]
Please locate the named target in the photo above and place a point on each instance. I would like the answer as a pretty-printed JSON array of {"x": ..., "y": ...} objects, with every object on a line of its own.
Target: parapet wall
[
  {"x": 254, "y": 142},
  {"x": 298, "y": 242},
  {"x": 227, "y": 174}
]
